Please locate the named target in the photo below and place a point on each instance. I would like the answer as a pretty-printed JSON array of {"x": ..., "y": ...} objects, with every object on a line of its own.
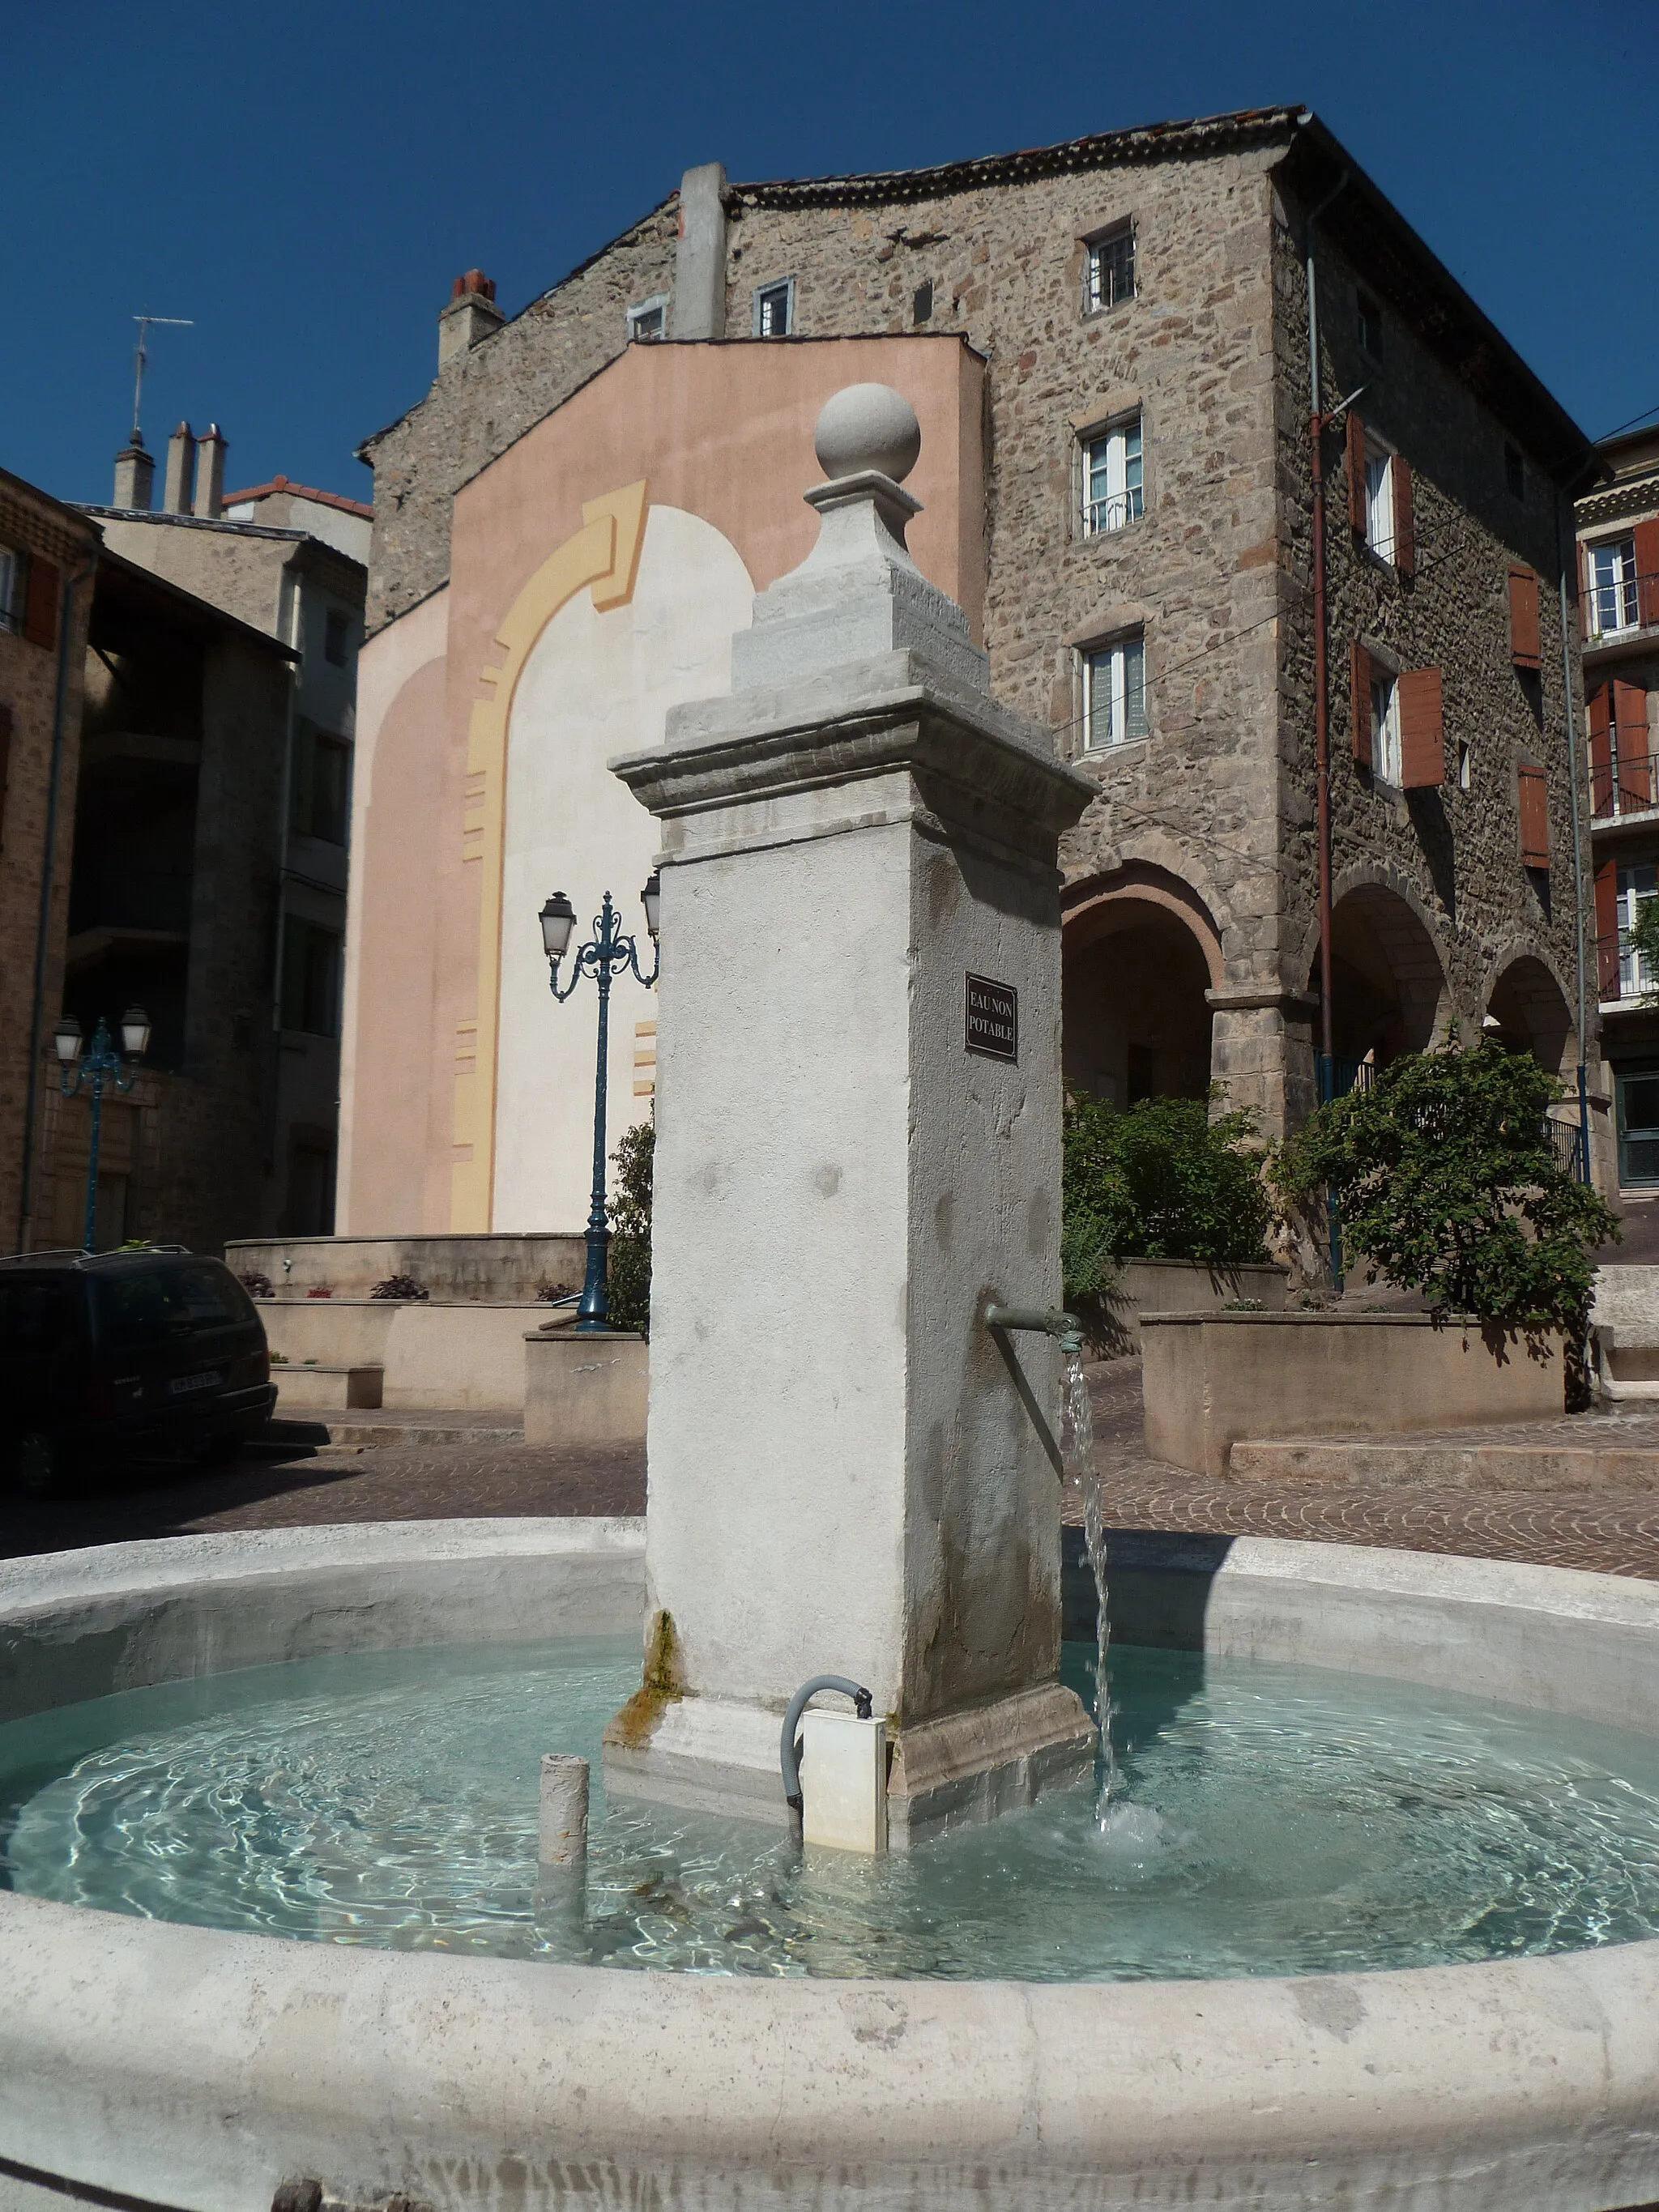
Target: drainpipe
[
  {"x": 1321, "y": 719},
  {"x": 1578, "y": 845},
  {"x": 43, "y": 924},
  {"x": 1322, "y": 715}
]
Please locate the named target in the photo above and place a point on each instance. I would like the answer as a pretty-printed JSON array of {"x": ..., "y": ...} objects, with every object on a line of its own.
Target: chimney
[
  {"x": 700, "y": 257},
  {"x": 471, "y": 315},
  {"x": 211, "y": 473},
  {"x": 135, "y": 475},
  {"x": 181, "y": 471}
]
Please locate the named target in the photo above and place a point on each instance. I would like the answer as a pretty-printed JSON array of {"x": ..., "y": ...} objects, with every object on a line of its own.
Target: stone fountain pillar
[{"x": 858, "y": 1147}]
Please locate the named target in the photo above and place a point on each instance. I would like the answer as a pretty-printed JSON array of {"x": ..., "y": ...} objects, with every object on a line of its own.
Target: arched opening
[
  {"x": 1388, "y": 994},
  {"x": 1528, "y": 1011},
  {"x": 1135, "y": 1020}
]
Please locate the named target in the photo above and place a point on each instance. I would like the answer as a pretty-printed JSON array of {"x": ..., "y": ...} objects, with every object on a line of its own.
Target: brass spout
[{"x": 1065, "y": 1327}]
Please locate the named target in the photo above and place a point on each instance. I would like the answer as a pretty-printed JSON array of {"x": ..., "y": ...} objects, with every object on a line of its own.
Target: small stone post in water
[{"x": 562, "y": 1836}]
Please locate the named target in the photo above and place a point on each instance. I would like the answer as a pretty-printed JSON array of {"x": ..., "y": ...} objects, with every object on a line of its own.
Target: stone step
[{"x": 1442, "y": 1463}]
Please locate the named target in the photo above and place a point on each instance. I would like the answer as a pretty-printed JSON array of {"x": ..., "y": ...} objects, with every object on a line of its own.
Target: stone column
[
  {"x": 1260, "y": 1048},
  {"x": 848, "y": 1473}
]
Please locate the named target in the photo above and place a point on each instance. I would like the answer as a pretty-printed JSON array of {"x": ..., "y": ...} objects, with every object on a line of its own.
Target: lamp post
[
  {"x": 100, "y": 1064},
  {"x": 608, "y": 952}
]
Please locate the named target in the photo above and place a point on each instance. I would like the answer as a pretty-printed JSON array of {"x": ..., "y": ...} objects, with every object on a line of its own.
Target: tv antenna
[{"x": 144, "y": 322}]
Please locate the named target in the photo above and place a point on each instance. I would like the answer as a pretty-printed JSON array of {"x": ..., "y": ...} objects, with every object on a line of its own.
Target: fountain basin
[{"x": 194, "y": 2068}]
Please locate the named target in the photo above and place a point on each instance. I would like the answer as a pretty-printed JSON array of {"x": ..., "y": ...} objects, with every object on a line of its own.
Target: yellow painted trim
[{"x": 603, "y": 555}]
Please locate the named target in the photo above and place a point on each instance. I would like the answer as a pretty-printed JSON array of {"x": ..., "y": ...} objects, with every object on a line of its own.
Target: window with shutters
[
  {"x": 1114, "y": 693},
  {"x": 1614, "y": 601},
  {"x": 1638, "y": 882},
  {"x": 1109, "y": 274},
  {"x": 1533, "y": 796},
  {"x": 1114, "y": 477},
  {"x": 1422, "y": 729},
  {"x": 1621, "y": 750},
  {"x": 13, "y": 574},
  {"x": 1379, "y": 503}
]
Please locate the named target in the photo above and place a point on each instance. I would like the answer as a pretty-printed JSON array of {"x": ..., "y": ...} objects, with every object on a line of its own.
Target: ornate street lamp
[
  {"x": 101, "y": 1064},
  {"x": 608, "y": 952}
]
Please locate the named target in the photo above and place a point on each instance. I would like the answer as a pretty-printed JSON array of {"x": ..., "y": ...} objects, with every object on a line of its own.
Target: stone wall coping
[
  {"x": 1210, "y": 1319},
  {"x": 1209, "y": 1266}
]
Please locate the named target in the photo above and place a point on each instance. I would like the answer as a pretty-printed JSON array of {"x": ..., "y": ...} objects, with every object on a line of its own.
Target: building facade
[
  {"x": 48, "y": 553},
  {"x": 1619, "y": 616},
  {"x": 289, "y": 560},
  {"x": 1116, "y": 348}
]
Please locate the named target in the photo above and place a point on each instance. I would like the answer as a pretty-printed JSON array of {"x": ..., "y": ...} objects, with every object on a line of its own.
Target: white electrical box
[{"x": 843, "y": 1780}]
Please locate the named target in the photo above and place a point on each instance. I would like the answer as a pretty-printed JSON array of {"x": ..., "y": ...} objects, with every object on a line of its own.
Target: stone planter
[
  {"x": 585, "y": 1389},
  {"x": 435, "y": 1358},
  {"x": 1183, "y": 1286},
  {"x": 1213, "y": 1380}
]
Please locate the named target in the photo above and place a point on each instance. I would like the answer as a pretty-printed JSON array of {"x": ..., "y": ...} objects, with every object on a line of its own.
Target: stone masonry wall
[
  {"x": 485, "y": 399},
  {"x": 1454, "y": 856}
]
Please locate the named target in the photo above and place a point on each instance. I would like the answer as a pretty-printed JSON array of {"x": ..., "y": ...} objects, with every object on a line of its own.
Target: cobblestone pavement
[
  {"x": 1612, "y": 1533},
  {"x": 296, "y": 1485},
  {"x": 274, "y": 1487}
]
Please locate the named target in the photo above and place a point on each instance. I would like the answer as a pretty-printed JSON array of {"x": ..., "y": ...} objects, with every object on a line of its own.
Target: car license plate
[{"x": 181, "y": 1383}]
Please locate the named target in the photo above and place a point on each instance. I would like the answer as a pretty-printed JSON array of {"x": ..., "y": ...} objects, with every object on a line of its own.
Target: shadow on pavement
[{"x": 158, "y": 1497}]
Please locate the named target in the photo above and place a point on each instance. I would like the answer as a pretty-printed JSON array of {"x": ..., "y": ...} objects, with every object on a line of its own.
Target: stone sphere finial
[{"x": 867, "y": 426}]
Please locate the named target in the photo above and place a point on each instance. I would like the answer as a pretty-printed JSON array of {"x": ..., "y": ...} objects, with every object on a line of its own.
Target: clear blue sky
[{"x": 304, "y": 180}]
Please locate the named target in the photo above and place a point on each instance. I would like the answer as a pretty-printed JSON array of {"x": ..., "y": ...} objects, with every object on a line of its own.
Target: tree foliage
[
  {"x": 629, "y": 1212},
  {"x": 1446, "y": 1180},
  {"x": 1161, "y": 1181}
]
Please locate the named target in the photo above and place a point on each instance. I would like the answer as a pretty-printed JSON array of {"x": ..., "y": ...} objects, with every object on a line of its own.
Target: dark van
[{"x": 125, "y": 1353}]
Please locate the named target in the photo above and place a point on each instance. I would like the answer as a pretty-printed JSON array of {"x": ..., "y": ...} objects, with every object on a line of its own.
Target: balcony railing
[
  {"x": 1622, "y": 973},
  {"x": 1112, "y": 513},
  {"x": 1617, "y": 609},
  {"x": 1628, "y": 783}
]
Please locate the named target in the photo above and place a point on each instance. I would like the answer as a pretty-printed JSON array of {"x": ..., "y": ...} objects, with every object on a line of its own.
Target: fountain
[{"x": 343, "y": 1856}]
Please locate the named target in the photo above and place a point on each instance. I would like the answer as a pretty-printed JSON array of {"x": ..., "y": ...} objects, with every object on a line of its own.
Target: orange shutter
[
  {"x": 1359, "y": 693},
  {"x": 1526, "y": 649},
  {"x": 1404, "y": 529},
  {"x": 1629, "y": 727},
  {"x": 1422, "y": 729},
  {"x": 40, "y": 616},
  {"x": 1606, "y": 928},
  {"x": 1601, "y": 751},
  {"x": 1356, "y": 474},
  {"x": 1646, "y": 535},
  {"x": 1534, "y": 817}
]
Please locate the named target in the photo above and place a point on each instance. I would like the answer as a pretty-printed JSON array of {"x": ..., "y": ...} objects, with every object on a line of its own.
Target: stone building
[
  {"x": 47, "y": 556},
  {"x": 290, "y": 561},
  {"x": 1619, "y": 603},
  {"x": 1108, "y": 343}
]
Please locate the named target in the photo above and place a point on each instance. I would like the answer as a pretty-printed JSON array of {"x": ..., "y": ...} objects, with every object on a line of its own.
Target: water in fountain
[{"x": 1082, "y": 1480}]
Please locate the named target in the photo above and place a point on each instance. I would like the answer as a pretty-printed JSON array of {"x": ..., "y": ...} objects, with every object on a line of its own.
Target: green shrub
[
  {"x": 629, "y": 1210},
  {"x": 1446, "y": 1181},
  {"x": 1161, "y": 1180}
]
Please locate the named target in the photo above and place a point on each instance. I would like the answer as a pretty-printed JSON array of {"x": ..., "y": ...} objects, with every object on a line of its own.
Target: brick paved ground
[{"x": 1612, "y": 1533}]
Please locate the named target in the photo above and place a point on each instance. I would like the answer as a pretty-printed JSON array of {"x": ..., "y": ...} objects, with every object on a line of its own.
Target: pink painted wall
[{"x": 724, "y": 432}]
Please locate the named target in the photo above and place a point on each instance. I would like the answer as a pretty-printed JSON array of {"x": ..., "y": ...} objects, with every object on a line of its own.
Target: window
[
  {"x": 1613, "y": 594},
  {"x": 14, "y": 568},
  {"x": 1515, "y": 471},
  {"x": 1379, "y": 503},
  {"x": 1388, "y": 755},
  {"x": 1113, "y": 478},
  {"x": 1638, "y": 882},
  {"x": 922, "y": 303},
  {"x": 311, "y": 971},
  {"x": 1114, "y": 694},
  {"x": 319, "y": 790},
  {"x": 774, "y": 309},
  {"x": 336, "y": 637},
  {"x": 1371, "y": 325},
  {"x": 1110, "y": 274},
  {"x": 649, "y": 320}
]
